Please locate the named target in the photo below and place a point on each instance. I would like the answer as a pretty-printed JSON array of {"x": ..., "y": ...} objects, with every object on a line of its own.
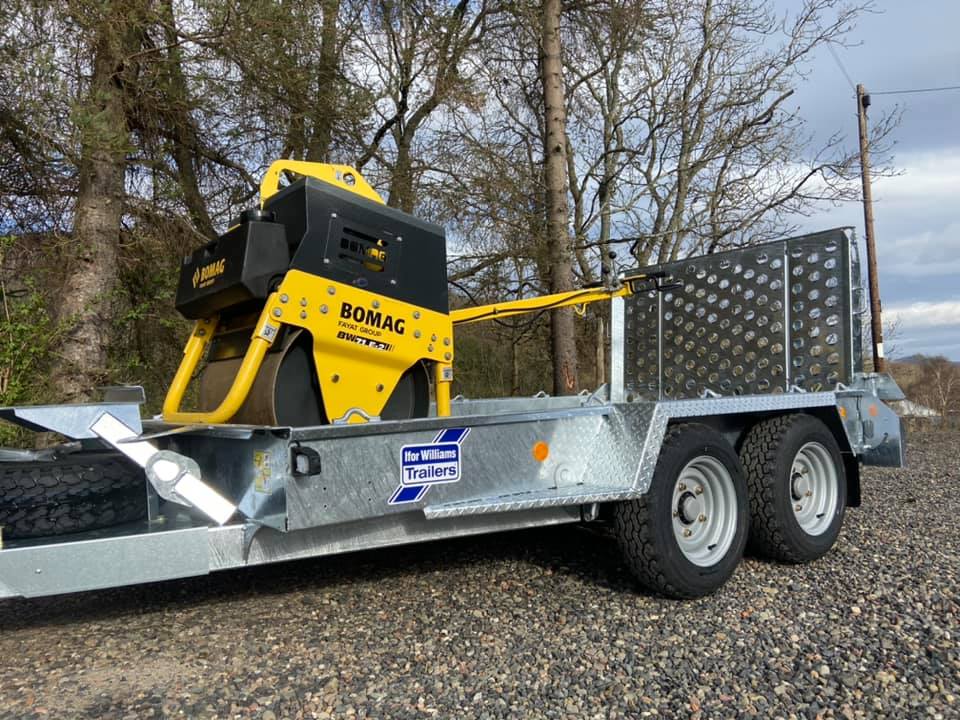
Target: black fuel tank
[{"x": 239, "y": 266}]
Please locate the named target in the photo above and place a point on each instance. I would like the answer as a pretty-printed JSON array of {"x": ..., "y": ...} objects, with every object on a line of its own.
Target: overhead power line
[
  {"x": 836, "y": 58},
  {"x": 916, "y": 90},
  {"x": 905, "y": 91},
  {"x": 840, "y": 65}
]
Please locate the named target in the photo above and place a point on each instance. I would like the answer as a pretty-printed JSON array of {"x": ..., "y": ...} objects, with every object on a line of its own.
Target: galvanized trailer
[{"x": 737, "y": 404}]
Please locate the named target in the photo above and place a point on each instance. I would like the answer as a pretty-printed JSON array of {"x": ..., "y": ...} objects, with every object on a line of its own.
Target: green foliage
[
  {"x": 149, "y": 334},
  {"x": 27, "y": 335},
  {"x": 495, "y": 360},
  {"x": 28, "y": 338}
]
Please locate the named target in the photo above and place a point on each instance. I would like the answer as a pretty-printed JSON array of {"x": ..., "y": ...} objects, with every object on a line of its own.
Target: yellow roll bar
[{"x": 342, "y": 176}]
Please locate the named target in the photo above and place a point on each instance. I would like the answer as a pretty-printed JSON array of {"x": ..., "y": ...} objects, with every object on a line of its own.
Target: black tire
[
  {"x": 768, "y": 454},
  {"x": 75, "y": 492},
  {"x": 645, "y": 527}
]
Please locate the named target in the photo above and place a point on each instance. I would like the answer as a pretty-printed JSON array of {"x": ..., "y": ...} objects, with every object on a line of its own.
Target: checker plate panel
[{"x": 757, "y": 320}]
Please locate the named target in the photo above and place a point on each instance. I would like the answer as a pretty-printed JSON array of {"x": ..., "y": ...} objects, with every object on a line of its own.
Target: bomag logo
[
  {"x": 372, "y": 318},
  {"x": 206, "y": 275}
]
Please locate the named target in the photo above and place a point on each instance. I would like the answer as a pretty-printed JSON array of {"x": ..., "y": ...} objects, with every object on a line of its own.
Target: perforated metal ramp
[{"x": 754, "y": 321}]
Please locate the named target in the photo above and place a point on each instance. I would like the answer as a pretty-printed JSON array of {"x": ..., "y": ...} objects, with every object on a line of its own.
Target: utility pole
[{"x": 876, "y": 322}]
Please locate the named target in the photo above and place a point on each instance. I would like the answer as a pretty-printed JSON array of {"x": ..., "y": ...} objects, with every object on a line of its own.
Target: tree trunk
[
  {"x": 514, "y": 367},
  {"x": 560, "y": 251},
  {"x": 328, "y": 90},
  {"x": 183, "y": 129},
  {"x": 402, "y": 194},
  {"x": 85, "y": 307}
]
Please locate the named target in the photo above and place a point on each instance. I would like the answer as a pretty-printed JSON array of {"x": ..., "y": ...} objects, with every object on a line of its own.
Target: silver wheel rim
[
  {"x": 813, "y": 488},
  {"x": 704, "y": 511}
]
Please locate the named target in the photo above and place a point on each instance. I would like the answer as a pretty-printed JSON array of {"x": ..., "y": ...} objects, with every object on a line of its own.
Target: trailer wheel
[
  {"x": 798, "y": 488},
  {"x": 75, "y": 492},
  {"x": 686, "y": 535}
]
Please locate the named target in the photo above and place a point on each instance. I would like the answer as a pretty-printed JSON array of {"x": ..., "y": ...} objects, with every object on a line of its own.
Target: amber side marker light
[{"x": 540, "y": 451}]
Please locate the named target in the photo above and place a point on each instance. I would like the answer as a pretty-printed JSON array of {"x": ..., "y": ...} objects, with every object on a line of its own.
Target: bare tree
[
  {"x": 892, "y": 330},
  {"x": 938, "y": 385},
  {"x": 724, "y": 158},
  {"x": 415, "y": 52},
  {"x": 559, "y": 245},
  {"x": 607, "y": 91}
]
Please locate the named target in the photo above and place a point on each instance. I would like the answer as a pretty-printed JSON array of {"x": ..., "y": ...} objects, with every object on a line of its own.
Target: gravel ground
[{"x": 532, "y": 624}]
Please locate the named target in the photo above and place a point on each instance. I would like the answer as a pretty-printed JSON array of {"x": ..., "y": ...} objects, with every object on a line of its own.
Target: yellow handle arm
[
  {"x": 263, "y": 337},
  {"x": 342, "y": 176},
  {"x": 536, "y": 304}
]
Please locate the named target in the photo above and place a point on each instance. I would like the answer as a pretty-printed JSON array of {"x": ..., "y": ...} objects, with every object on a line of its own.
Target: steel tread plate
[
  {"x": 746, "y": 404},
  {"x": 552, "y": 497}
]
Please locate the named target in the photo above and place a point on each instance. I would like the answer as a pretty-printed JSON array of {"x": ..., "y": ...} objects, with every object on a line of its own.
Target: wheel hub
[
  {"x": 704, "y": 508},
  {"x": 813, "y": 488},
  {"x": 689, "y": 508}
]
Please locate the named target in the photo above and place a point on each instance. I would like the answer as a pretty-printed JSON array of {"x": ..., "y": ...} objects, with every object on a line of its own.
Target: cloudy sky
[{"x": 906, "y": 45}]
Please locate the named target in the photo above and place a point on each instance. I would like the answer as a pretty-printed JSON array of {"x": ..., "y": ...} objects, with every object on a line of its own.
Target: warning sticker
[{"x": 261, "y": 471}]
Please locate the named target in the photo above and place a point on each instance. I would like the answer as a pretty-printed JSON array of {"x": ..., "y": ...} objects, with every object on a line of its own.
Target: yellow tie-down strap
[{"x": 362, "y": 342}]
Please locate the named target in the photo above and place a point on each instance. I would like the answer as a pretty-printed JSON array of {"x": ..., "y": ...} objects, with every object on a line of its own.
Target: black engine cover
[
  {"x": 325, "y": 231},
  {"x": 342, "y": 236}
]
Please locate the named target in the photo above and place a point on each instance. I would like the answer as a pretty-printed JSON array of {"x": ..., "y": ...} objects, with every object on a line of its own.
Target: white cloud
[
  {"x": 918, "y": 234},
  {"x": 928, "y": 178},
  {"x": 925, "y": 314},
  {"x": 934, "y": 251}
]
